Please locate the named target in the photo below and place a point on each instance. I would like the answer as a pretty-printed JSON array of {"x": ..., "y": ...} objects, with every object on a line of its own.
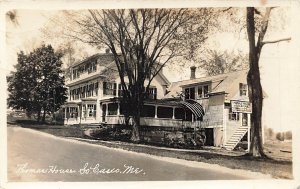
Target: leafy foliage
[
  {"x": 38, "y": 83},
  {"x": 217, "y": 62}
]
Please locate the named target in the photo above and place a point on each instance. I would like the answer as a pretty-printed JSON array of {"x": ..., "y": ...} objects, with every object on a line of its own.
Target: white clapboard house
[{"x": 219, "y": 104}]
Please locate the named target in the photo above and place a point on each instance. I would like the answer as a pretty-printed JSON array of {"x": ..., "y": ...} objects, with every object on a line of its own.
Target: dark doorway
[
  {"x": 209, "y": 132},
  {"x": 103, "y": 112}
]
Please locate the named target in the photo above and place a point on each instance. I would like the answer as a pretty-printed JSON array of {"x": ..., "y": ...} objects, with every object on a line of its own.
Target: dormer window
[
  {"x": 243, "y": 89},
  {"x": 203, "y": 91},
  {"x": 189, "y": 93}
]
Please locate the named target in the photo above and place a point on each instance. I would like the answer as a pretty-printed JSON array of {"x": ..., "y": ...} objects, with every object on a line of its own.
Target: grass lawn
[{"x": 279, "y": 165}]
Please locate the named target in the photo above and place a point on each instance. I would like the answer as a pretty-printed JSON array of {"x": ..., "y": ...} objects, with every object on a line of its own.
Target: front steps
[{"x": 236, "y": 138}]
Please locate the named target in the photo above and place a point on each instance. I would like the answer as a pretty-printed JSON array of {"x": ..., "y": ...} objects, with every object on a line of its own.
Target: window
[
  {"x": 92, "y": 67},
  {"x": 91, "y": 110},
  {"x": 75, "y": 73},
  {"x": 74, "y": 94},
  {"x": 233, "y": 116},
  {"x": 73, "y": 112},
  {"x": 243, "y": 89},
  {"x": 109, "y": 88},
  {"x": 203, "y": 91},
  {"x": 96, "y": 88},
  {"x": 153, "y": 93},
  {"x": 148, "y": 111},
  {"x": 188, "y": 115},
  {"x": 189, "y": 93},
  {"x": 179, "y": 113},
  {"x": 112, "y": 109},
  {"x": 90, "y": 90},
  {"x": 120, "y": 90},
  {"x": 164, "y": 112},
  {"x": 83, "y": 92}
]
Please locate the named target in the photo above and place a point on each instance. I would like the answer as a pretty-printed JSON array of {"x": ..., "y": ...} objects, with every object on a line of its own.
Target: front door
[{"x": 209, "y": 133}]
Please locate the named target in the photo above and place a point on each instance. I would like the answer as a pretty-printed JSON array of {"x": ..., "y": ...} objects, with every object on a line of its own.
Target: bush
[
  {"x": 270, "y": 133},
  {"x": 280, "y": 136},
  {"x": 288, "y": 135}
]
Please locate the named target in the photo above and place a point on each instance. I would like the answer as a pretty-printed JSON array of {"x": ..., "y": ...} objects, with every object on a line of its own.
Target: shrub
[
  {"x": 288, "y": 135},
  {"x": 280, "y": 136}
]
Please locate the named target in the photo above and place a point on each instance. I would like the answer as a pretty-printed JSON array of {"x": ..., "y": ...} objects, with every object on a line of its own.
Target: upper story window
[
  {"x": 203, "y": 91},
  {"x": 120, "y": 89},
  {"x": 152, "y": 93},
  {"x": 189, "y": 93},
  {"x": 87, "y": 90},
  {"x": 109, "y": 88},
  {"x": 91, "y": 67},
  {"x": 243, "y": 89},
  {"x": 75, "y": 74}
]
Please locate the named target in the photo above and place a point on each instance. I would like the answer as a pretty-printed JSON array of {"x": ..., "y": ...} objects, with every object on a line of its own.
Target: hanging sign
[{"x": 241, "y": 106}]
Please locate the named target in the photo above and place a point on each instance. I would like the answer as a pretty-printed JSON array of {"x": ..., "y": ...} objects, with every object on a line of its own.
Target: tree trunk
[
  {"x": 255, "y": 89},
  {"x": 135, "y": 137},
  {"x": 39, "y": 116}
]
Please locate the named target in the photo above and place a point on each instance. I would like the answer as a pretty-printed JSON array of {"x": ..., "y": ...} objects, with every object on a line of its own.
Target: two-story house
[
  {"x": 91, "y": 85},
  {"x": 218, "y": 104}
]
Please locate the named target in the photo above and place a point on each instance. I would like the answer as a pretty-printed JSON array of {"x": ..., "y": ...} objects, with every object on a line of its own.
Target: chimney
[
  {"x": 107, "y": 51},
  {"x": 193, "y": 72}
]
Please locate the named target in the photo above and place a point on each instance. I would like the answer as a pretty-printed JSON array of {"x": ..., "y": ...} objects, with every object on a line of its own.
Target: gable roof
[
  {"x": 107, "y": 60},
  {"x": 94, "y": 57},
  {"x": 223, "y": 83}
]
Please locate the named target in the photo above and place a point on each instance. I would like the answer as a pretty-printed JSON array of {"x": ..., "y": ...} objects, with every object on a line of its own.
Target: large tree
[
  {"x": 256, "y": 44},
  {"x": 142, "y": 42},
  {"x": 37, "y": 85}
]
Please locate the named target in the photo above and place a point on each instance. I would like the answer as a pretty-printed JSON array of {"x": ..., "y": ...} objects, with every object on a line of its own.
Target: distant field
[{"x": 279, "y": 149}]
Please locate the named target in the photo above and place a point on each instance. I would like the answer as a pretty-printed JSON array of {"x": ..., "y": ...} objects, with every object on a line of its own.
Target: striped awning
[{"x": 194, "y": 106}]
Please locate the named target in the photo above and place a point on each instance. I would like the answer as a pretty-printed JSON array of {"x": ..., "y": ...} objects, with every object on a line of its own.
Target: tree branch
[
  {"x": 256, "y": 11},
  {"x": 276, "y": 41},
  {"x": 227, "y": 9}
]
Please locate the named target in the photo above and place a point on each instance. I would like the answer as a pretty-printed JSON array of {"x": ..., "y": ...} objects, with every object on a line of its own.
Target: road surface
[{"x": 37, "y": 156}]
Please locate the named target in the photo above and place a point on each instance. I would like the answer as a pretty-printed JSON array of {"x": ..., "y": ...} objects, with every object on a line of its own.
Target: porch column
[
  {"x": 98, "y": 111},
  {"x": 225, "y": 117},
  {"x": 118, "y": 111},
  {"x": 86, "y": 111},
  {"x": 155, "y": 112},
  {"x": 106, "y": 111},
  {"x": 78, "y": 113},
  {"x": 173, "y": 117},
  {"x": 241, "y": 118},
  {"x": 82, "y": 116},
  {"x": 65, "y": 113}
]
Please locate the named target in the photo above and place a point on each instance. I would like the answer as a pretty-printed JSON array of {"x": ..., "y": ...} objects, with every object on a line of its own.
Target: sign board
[{"x": 241, "y": 106}]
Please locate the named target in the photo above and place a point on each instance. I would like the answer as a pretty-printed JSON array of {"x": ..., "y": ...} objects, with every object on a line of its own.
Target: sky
[{"x": 277, "y": 61}]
